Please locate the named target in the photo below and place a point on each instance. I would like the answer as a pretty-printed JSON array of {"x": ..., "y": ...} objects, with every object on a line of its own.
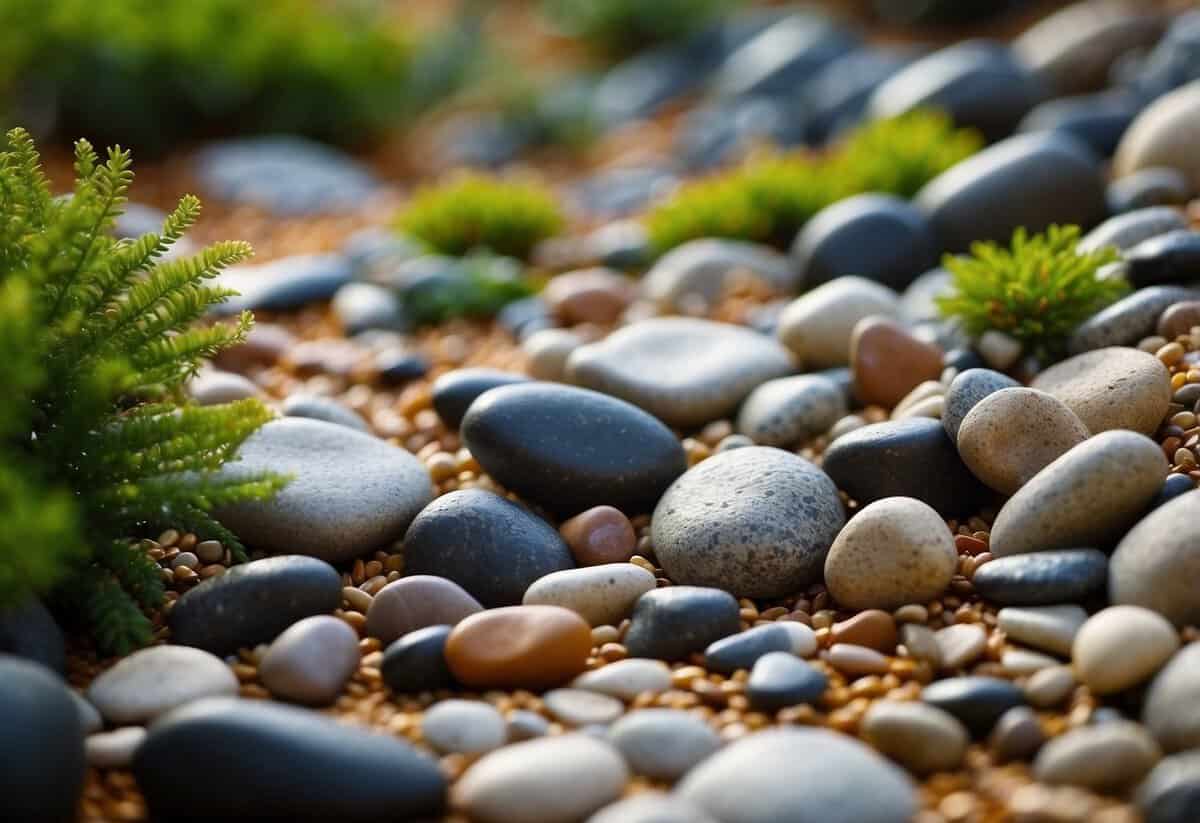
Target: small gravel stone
[
  {"x": 1156, "y": 563},
  {"x": 522, "y": 647},
  {"x": 602, "y": 595},
  {"x": 663, "y": 744},
  {"x": 1111, "y": 388},
  {"x": 671, "y": 623},
  {"x": 1042, "y": 578},
  {"x": 551, "y": 780},
  {"x": 601, "y": 534},
  {"x": 582, "y": 707},
  {"x": 152, "y": 681},
  {"x": 115, "y": 749},
  {"x": 1051, "y": 628},
  {"x": 1050, "y": 686},
  {"x": 1122, "y": 646},
  {"x": 210, "y": 551},
  {"x": 311, "y": 661},
  {"x": 922, "y": 738},
  {"x": 1017, "y": 735},
  {"x": 1171, "y": 711},
  {"x": 1106, "y": 758},
  {"x": 463, "y": 726},
  {"x": 415, "y": 602},
  {"x": 976, "y": 701},
  {"x": 626, "y": 679},
  {"x": 894, "y": 551},
  {"x": 417, "y": 661},
  {"x": 960, "y": 645},
  {"x": 779, "y": 680},
  {"x": 965, "y": 391},
  {"x": 790, "y": 410}
]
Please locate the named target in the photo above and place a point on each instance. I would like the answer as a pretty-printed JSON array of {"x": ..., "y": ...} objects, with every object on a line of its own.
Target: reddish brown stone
[
  {"x": 872, "y": 628},
  {"x": 1179, "y": 319},
  {"x": 519, "y": 647},
  {"x": 599, "y": 535},
  {"x": 888, "y": 362},
  {"x": 596, "y": 295}
]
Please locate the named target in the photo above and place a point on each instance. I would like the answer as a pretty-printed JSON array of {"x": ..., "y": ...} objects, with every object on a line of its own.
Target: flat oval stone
[
  {"x": 1122, "y": 646},
  {"x": 581, "y": 707},
  {"x": 1012, "y": 434},
  {"x": 596, "y": 295},
  {"x": 894, "y": 551},
  {"x": 663, "y": 744},
  {"x": 1105, "y": 758},
  {"x": 1179, "y": 319},
  {"x": 42, "y": 747},
  {"x": 790, "y": 410},
  {"x": 903, "y": 458},
  {"x": 212, "y": 387},
  {"x": 311, "y": 661},
  {"x": 415, "y": 602},
  {"x": 1089, "y": 496},
  {"x": 417, "y": 661},
  {"x": 598, "y": 536},
  {"x": 922, "y": 738},
  {"x": 741, "y": 650},
  {"x": 1127, "y": 321},
  {"x": 626, "y": 679},
  {"x": 1171, "y": 791},
  {"x": 115, "y": 749},
  {"x": 455, "y": 391},
  {"x": 520, "y": 647},
  {"x": 155, "y": 680},
  {"x": 831, "y": 778},
  {"x": 317, "y": 407},
  {"x": 1164, "y": 134},
  {"x": 976, "y": 701},
  {"x": 488, "y": 545},
  {"x": 464, "y": 727},
  {"x": 1017, "y": 736},
  {"x": 817, "y": 326},
  {"x": 684, "y": 371},
  {"x": 877, "y": 236},
  {"x": 705, "y": 267},
  {"x": 333, "y": 771},
  {"x": 1170, "y": 710},
  {"x": 888, "y": 362},
  {"x": 1049, "y": 687},
  {"x": 960, "y": 645},
  {"x": 1111, "y": 388},
  {"x": 964, "y": 393},
  {"x": 1042, "y": 578},
  {"x": 755, "y": 521},
  {"x": 570, "y": 449},
  {"x": 254, "y": 602},
  {"x": 551, "y": 780},
  {"x": 780, "y": 679},
  {"x": 350, "y": 492},
  {"x": 873, "y": 628},
  {"x": 1156, "y": 563},
  {"x": 650, "y": 807},
  {"x": 1050, "y": 628},
  {"x": 671, "y": 623},
  {"x": 1031, "y": 180},
  {"x": 602, "y": 595},
  {"x": 1124, "y": 231}
]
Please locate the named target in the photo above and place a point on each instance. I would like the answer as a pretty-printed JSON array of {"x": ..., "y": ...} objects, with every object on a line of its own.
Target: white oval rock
[
  {"x": 626, "y": 679},
  {"x": 581, "y": 707},
  {"x": 1172, "y": 708},
  {"x": 663, "y": 744},
  {"x": 602, "y": 595},
  {"x": 1111, "y": 388},
  {"x": 311, "y": 661},
  {"x": 1122, "y": 646},
  {"x": 463, "y": 726},
  {"x": 149, "y": 682},
  {"x": 818, "y": 325}
]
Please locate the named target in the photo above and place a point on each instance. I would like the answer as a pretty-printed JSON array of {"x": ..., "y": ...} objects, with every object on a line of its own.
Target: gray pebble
[
  {"x": 663, "y": 744},
  {"x": 463, "y": 726}
]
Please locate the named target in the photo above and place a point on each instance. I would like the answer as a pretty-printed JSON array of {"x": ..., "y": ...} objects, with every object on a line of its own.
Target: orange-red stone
[
  {"x": 599, "y": 535},
  {"x": 519, "y": 647},
  {"x": 888, "y": 362}
]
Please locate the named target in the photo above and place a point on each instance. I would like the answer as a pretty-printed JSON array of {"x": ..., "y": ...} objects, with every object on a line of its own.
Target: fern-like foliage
[
  {"x": 1037, "y": 291},
  {"x": 97, "y": 336}
]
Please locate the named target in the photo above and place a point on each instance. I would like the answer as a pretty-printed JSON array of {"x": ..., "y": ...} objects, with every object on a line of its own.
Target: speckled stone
[
  {"x": 602, "y": 595},
  {"x": 541, "y": 780},
  {"x": 1105, "y": 758},
  {"x": 1112, "y": 388},
  {"x": 1088, "y": 497},
  {"x": 1171, "y": 710},
  {"x": 817, "y": 325},
  {"x": 1156, "y": 564},
  {"x": 684, "y": 371},
  {"x": 1127, "y": 321},
  {"x": 311, "y": 661},
  {"x": 825, "y": 780},
  {"x": 463, "y": 726},
  {"x": 415, "y": 602},
  {"x": 790, "y": 410},
  {"x": 888, "y": 362},
  {"x": 1042, "y": 578},
  {"x": 1122, "y": 646},
  {"x": 155, "y": 680},
  {"x": 967, "y": 389},
  {"x": 626, "y": 679},
  {"x": 976, "y": 701},
  {"x": 1124, "y": 231},
  {"x": 519, "y": 647},
  {"x": 1012, "y": 434},
  {"x": 780, "y": 679},
  {"x": 755, "y": 521},
  {"x": 663, "y": 744},
  {"x": 671, "y": 623},
  {"x": 922, "y": 738},
  {"x": 894, "y": 551},
  {"x": 1049, "y": 628}
]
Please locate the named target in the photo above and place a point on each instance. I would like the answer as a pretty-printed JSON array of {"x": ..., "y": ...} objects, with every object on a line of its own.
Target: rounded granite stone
[
  {"x": 755, "y": 521},
  {"x": 1111, "y": 388},
  {"x": 789, "y": 410},
  {"x": 967, "y": 389},
  {"x": 1164, "y": 134},
  {"x": 1158, "y": 561}
]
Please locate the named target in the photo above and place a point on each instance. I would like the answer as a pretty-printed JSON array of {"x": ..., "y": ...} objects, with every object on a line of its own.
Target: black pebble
[{"x": 416, "y": 662}]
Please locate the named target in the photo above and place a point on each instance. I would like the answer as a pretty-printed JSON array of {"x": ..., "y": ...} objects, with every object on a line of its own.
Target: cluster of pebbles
[{"x": 758, "y": 537}]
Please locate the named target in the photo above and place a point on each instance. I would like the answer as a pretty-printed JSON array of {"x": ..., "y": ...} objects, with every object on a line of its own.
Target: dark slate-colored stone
[
  {"x": 836, "y": 96},
  {"x": 1128, "y": 320},
  {"x": 671, "y": 623},
  {"x": 1127, "y": 230},
  {"x": 399, "y": 366},
  {"x": 784, "y": 55},
  {"x": 27, "y": 629},
  {"x": 416, "y": 662},
  {"x": 780, "y": 679},
  {"x": 485, "y": 543},
  {"x": 1098, "y": 120},
  {"x": 741, "y": 650},
  {"x": 976, "y": 701},
  {"x": 1173, "y": 257},
  {"x": 967, "y": 389},
  {"x": 876, "y": 236},
  {"x": 639, "y": 86},
  {"x": 523, "y": 317},
  {"x": 1189, "y": 395},
  {"x": 254, "y": 602},
  {"x": 1173, "y": 62},
  {"x": 570, "y": 449},
  {"x": 1031, "y": 180},
  {"x": 1042, "y": 578},
  {"x": 961, "y": 360},
  {"x": 979, "y": 83},
  {"x": 1171, "y": 792},
  {"x": 283, "y": 284},
  {"x": 281, "y": 762},
  {"x": 456, "y": 390},
  {"x": 905, "y": 458},
  {"x": 41, "y": 744},
  {"x": 1146, "y": 188}
]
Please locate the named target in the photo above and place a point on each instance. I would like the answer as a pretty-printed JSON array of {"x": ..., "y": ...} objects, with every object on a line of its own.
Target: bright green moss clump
[
  {"x": 618, "y": 27},
  {"x": 97, "y": 337},
  {"x": 1037, "y": 291},
  {"x": 481, "y": 212},
  {"x": 902, "y": 154}
]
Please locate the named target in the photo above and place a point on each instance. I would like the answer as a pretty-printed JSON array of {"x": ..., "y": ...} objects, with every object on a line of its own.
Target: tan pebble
[
  {"x": 1179, "y": 319},
  {"x": 358, "y": 599},
  {"x": 923, "y": 738},
  {"x": 1050, "y": 686},
  {"x": 1122, "y": 646},
  {"x": 415, "y": 602},
  {"x": 857, "y": 660},
  {"x": 911, "y": 613},
  {"x": 599, "y": 535},
  {"x": 1085, "y": 383},
  {"x": 596, "y": 295},
  {"x": 209, "y": 551}
]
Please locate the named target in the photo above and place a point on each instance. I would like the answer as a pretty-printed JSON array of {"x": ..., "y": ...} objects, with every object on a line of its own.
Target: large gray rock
[
  {"x": 1157, "y": 563},
  {"x": 350, "y": 492},
  {"x": 1111, "y": 388},
  {"x": 155, "y": 680},
  {"x": 1172, "y": 708}
]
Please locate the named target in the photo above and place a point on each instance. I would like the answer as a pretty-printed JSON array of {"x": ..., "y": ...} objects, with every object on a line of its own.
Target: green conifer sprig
[{"x": 97, "y": 337}]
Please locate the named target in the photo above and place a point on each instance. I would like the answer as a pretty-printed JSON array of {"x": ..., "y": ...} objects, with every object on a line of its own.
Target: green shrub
[
  {"x": 1038, "y": 291},
  {"x": 97, "y": 336},
  {"x": 900, "y": 155},
  {"x": 481, "y": 212},
  {"x": 619, "y": 27},
  {"x": 149, "y": 72}
]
